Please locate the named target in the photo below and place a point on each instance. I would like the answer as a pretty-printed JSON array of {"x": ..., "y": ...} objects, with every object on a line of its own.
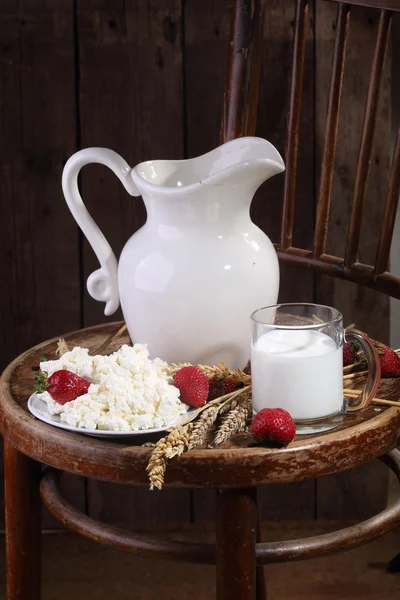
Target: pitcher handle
[{"x": 102, "y": 284}]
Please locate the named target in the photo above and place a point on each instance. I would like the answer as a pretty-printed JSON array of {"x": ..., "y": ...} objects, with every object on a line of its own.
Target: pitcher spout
[
  {"x": 243, "y": 162},
  {"x": 246, "y": 162}
]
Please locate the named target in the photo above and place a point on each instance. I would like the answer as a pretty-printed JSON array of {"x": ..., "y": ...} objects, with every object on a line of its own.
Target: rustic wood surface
[
  {"x": 108, "y": 74},
  {"x": 207, "y": 29},
  {"x": 23, "y": 525},
  {"x": 383, "y": 4},
  {"x": 374, "y": 318},
  {"x": 131, "y": 99},
  {"x": 235, "y": 544},
  {"x": 356, "y": 575},
  {"x": 39, "y": 255},
  {"x": 236, "y": 468},
  {"x": 360, "y": 438},
  {"x": 298, "y": 498},
  {"x": 237, "y": 541}
]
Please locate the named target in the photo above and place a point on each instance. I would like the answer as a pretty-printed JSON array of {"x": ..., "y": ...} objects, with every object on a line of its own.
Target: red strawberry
[
  {"x": 273, "y": 424},
  {"x": 220, "y": 388},
  {"x": 214, "y": 390},
  {"x": 63, "y": 386},
  {"x": 390, "y": 362},
  {"x": 349, "y": 355},
  {"x": 228, "y": 386},
  {"x": 193, "y": 386}
]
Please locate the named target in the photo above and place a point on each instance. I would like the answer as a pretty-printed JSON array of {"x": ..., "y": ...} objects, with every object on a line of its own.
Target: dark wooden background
[{"x": 145, "y": 78}]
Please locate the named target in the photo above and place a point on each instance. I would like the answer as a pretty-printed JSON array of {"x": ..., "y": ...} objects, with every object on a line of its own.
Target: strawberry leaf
[{"x": 42, "y": 383}]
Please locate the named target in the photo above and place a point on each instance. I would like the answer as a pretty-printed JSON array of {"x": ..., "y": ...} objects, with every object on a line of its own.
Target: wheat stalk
[
  {"x": 221, "y": 371},
  {"x": 218, "y": 407},
  {"x": 356, "y": 393},
  {"x": 354, "y": 375},
  {"x": 218, "y": 401},
  {"x": 386, "y": 402},
  {"x": 62, "y": 347},
  {"x": 214, "y": 373},
  {"x": 175, "y": 444},
  {"x": 233, "y": 422},
  {"x": 202, "y": 426},
  {"x": 232, "y": 402}
]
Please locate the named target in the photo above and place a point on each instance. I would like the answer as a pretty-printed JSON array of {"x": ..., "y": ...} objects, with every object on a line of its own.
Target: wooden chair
[
  {"x": 237, "y": 472},
  {"x": 240, "y": 116}
]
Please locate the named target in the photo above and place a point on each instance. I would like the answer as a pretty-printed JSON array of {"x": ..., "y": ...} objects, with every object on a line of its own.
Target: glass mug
[{"x": 297, "y": 364}]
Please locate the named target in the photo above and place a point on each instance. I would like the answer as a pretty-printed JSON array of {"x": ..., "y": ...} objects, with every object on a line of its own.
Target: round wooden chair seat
[{"x": 361, "y": 438}]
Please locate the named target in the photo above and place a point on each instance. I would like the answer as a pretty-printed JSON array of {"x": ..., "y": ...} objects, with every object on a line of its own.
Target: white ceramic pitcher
[{"x": 190, "y": 277}]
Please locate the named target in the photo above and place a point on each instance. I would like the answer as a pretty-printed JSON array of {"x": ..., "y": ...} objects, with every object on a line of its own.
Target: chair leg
[
  {"x": 23, "y": 525},
  {"x": 236, "y": 544},
  {"x": 261, "y": 589}
]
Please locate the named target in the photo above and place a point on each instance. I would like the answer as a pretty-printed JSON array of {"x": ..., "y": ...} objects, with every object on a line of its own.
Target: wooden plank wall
[
  {"x": 39, "y": 256},
  {"x": 145, "y": 78},
  {"x": 368, "y": 309}
]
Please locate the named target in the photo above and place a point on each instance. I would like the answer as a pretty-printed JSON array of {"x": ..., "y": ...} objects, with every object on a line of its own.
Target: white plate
[{"x": 39, "y": 409}]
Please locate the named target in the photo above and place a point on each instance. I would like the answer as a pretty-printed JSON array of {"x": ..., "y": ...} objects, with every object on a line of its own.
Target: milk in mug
[{"x": 298, "y": 370}]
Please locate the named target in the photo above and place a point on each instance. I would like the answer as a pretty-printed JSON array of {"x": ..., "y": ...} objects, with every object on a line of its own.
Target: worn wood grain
[
  {"x": 366, "y": 308},
  {"x": 207, "y": 27},
  {"x": 277, "y": 45},
  {"x": 376, "y": 76},
  {"x": 236, "y": 532},
  {"x": 281, "y": 502},
  {"x": 330, "y": 132},
  {"x": 361, "y": 437},
  {"x": 39, "y": 261},
  {"x": 138, "y": 509},
  {"x": 23, "y": 525},
  {"x": 239, "y": 114},
  {"x": 72, "y": 563},
  {"x": 236, "y": 544},
  {"x": 37, "y": 135},
  {"x": 134, "y": 63},
  {"x": 296, "y": 286},
  {"x": 384, "y": 4},
  {"x": 272, "y": 124},
  {"x": 131, "y": 100}
]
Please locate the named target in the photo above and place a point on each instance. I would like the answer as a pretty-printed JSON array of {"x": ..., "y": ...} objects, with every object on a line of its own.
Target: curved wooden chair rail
[
  {"x": 266, "y": 553},
  {"x": 240, "y": 115}
]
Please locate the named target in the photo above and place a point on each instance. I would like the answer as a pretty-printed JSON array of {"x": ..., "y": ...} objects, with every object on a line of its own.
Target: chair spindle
[
  {"x": 390, "y": 211},
  {"x": 331, "y": 129},
  {"x": 367, "y": 139},
  {"x": 292, "y": 142},
  {"x": 244, "y": 68}
]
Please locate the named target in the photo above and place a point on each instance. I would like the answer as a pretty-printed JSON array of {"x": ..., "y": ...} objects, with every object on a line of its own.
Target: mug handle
[{"x": 374, "y": 370}]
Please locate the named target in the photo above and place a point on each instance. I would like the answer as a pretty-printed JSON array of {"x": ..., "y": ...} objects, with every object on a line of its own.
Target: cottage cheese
[{"x": 128, "y": 391}]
